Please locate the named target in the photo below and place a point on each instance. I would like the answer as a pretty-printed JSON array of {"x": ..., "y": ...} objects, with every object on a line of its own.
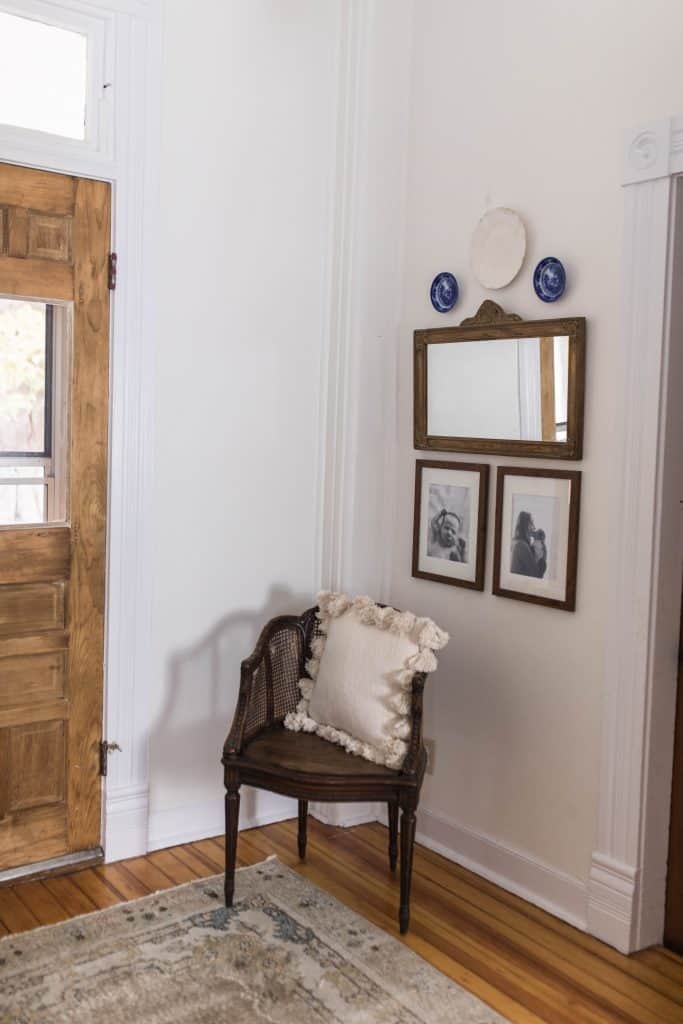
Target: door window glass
[{"x": 33, "y": 410}]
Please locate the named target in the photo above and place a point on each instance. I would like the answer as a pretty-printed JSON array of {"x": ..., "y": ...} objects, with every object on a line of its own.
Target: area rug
[{"x": 286, "y": 953}]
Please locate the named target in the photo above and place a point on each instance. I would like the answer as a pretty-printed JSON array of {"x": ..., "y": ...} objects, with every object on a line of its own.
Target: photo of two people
[{"x": 534, "y": 523}]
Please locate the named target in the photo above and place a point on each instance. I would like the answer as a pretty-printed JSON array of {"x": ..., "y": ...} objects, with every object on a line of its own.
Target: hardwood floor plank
[
  {"x": 219, "y": 848},
  {"x": 151, "y": 876},
  {"x": 201, "y": 867},
  {"x": 121, "y": 882},
  {"x": 73, "y": 899},
  {"x": 207, "y": 849},
  {"x": 95, "y": 888},
  {"x": 15, "y": 915},
  {"x": 247, "y": 853},
  {"x": 668, "y": 966},
  {"x": 177, "y": 870},
  {"x": 41, "y": 902},
  {"x": 219, "y": 842},
  {"x": 670, "y": 955}
]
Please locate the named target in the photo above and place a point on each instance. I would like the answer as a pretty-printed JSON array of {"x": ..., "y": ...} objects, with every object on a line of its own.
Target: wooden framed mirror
[{"x": 501, "y": 385}]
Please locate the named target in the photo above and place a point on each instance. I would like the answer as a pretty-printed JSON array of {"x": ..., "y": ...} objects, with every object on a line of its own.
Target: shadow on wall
[{"x": 201, "y": 694}]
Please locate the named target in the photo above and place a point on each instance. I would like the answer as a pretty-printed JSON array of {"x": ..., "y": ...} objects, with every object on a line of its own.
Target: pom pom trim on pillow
[{"x": 424, "y": 633}]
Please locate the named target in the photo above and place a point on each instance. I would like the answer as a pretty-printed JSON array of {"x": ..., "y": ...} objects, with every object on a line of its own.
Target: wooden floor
[{"x": 526, "y": 964}]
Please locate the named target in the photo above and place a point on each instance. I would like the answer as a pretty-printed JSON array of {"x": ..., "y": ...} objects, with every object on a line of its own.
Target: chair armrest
[
  {"x": 269, "y": 680},
  {"x": 411, "y": 764}
]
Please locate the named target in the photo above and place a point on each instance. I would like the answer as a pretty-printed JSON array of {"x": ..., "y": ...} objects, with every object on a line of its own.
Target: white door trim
[
  {"x": 628, "y": 870},
  {"x": 132, "y": 41},
  {"x": 359, "y": 368}
]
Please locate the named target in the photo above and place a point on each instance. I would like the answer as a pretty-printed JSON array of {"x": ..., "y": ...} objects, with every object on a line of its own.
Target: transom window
[{"x": 43, "y": 77}]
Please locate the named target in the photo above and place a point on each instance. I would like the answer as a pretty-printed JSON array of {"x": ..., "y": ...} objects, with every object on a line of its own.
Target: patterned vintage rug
[{"x": 287, "y": 953}]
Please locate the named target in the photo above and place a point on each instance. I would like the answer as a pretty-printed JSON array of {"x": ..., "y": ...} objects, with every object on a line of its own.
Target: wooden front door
[
  {"x": 673, "y": 928},
  {"x": 54, "y": 246}
]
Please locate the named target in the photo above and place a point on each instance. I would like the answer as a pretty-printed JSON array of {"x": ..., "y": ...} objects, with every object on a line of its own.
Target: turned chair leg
[
  {"x": 407, "y": 847},
  {"x": 393, "y": 834},
  {"x": 303, "y": 825},
  {"x": 232, "y": 814}
]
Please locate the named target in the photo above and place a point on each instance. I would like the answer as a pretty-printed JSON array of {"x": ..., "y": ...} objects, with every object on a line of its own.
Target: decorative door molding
[
  {"x": 628, "y": 870},
  {"x": 359, "y": 373},
  {"x": 359, "y": 365}
]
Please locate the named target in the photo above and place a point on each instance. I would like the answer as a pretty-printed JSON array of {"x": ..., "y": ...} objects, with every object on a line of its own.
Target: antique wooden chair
[{"x": 260, "y": 752}]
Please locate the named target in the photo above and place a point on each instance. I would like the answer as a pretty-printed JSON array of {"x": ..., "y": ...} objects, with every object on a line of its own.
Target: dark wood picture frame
[
  {"x": 574, "y": 477},
  {"x": 493, "y": 323},
  {"x": 483, "y": 469}
]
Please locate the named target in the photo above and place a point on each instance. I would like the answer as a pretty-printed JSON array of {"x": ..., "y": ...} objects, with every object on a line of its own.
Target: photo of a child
[{"x": 448, "y": 524}]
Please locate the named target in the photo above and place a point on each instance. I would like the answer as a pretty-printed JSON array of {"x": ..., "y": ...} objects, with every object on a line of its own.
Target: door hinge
[
  {"x": 111, "y": 277},
  {"x": 105, "y": 750}
]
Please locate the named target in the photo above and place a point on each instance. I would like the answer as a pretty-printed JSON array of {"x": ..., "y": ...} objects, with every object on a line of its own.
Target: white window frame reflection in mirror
[
  {"x": 96, "y": 26},
  {"x": 529, "y": 385}
]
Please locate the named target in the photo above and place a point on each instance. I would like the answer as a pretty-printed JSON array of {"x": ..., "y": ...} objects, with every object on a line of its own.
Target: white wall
[
  {"x": 524, "y": 105},
  {"x": 257, "y": 266},
  {"x": 247, "y": 158}
]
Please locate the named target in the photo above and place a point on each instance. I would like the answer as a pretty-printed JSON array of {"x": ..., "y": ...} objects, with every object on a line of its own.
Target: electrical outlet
[{"x": 430, "y": 747}]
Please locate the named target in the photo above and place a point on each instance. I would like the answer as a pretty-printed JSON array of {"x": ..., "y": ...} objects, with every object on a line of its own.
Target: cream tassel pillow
[{"x": 358, "y": 694}]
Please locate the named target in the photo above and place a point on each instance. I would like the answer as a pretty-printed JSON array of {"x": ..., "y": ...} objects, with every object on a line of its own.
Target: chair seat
[{"x": 308, "y": 754}]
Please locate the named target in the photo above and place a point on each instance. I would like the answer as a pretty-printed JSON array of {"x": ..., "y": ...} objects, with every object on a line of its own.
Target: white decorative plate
[{"x": 498, "y": 247}]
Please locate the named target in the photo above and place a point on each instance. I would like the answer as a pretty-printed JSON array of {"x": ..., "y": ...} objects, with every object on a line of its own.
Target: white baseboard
[
  {"x": 126, "y": 816},
  {"x": 612, "y": 895},
  {"x": 345, "y": 815},
  {"x": 132, "y": 830},
  {"x": 566, "y": 897},
  {"x": 517, "y": 872},
  {"x": 203, "y": 820}
]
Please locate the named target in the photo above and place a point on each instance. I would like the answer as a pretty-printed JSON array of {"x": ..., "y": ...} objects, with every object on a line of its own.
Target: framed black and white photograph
[
  {"x": 537, "y": 535},
  {"x": 449, "y": 529}
]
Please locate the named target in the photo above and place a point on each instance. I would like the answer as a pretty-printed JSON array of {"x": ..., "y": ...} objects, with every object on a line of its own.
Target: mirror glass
[{"x": 514, "y": 389}]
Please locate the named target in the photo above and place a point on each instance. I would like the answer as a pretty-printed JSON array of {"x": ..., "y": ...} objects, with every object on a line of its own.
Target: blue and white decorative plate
[
  {"x": 550, "y": 279},
  {"x": 444, "y": 292}
]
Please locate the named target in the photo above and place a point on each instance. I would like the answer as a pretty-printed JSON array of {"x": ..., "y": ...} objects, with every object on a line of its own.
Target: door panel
[
  {"x": 54, "y": 246},
  {"x": 37, "y": 766},
  {"x": 31, "y": 555},
  {"x": 32, "y": 679},
  {"x": 49, "y": 237},
  {"x": 31, "y": 608},
  {"x": 21, "y": 277}
]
